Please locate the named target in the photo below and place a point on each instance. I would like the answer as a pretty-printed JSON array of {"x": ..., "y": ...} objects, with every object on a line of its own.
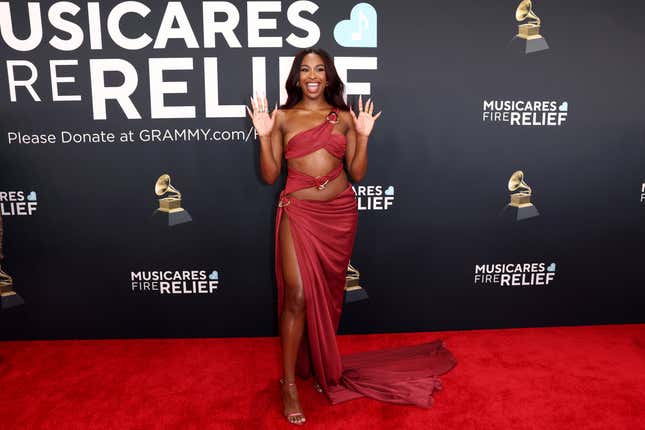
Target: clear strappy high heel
[{"x": 297, "y": 418}]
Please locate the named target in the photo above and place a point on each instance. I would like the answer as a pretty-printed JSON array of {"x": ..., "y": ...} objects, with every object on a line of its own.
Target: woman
[{"x": 316, "y": 224}]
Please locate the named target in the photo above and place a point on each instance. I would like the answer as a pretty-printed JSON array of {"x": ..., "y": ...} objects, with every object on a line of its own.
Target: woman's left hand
[{"x": 364, "y": 122}]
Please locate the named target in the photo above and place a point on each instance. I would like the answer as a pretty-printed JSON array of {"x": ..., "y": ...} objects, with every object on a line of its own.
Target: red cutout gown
[{"x": 323, "y": 233}]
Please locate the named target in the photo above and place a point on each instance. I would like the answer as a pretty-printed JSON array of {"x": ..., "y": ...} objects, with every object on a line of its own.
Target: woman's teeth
[{"x": 313, "y": 87}]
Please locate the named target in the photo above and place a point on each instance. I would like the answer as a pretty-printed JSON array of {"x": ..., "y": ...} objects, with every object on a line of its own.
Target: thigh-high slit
[{"x": 292, "y": 281}]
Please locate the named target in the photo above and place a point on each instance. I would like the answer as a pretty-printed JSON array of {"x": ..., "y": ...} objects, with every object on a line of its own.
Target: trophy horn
[
  {"x": 162, "y": 186},
  {"x": 5, "y": 280},
  {"x": 525, "y": 10},
  {"x": 352, "y": 272},
  {"x": 517, "y": 181}
]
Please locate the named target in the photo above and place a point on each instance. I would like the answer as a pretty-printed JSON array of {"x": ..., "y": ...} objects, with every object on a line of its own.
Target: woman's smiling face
[{"x": 313, "y": 78}]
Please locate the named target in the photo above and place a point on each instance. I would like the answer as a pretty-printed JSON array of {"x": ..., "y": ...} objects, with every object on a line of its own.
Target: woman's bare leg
[{"x": 292, "y": 320}]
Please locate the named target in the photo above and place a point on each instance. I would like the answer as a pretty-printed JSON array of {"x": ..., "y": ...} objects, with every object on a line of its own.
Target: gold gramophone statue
[
  {"x": 530, "y": 30},
  {"x": 8, "y": 297},
  {"x": 353, "y": 291},
  {"x": 170, "y": 206},
  {"x": 521, "y": 198}
]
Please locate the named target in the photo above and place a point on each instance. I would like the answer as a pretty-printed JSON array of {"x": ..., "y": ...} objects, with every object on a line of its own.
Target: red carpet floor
[{"x": 590, "y": 377}]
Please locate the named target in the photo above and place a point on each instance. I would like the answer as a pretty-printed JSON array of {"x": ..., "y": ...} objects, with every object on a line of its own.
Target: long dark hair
[{"x": 333, "y": 91}]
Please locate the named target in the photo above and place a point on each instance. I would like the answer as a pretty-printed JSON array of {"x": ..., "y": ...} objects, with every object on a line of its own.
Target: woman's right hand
[{"x": 262, "y": 121}]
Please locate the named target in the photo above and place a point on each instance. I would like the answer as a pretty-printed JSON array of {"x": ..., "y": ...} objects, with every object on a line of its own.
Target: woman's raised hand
[
  {"x": 262, "y": 121},
  {"x": 364, "y": 122}
]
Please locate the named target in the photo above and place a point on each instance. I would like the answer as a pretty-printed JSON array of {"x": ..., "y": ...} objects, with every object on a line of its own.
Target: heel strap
[{"x": 290, "y": 384}]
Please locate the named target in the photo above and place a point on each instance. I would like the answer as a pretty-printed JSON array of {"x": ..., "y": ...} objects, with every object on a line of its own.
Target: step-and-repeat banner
[{"x": 505, "y": 188}]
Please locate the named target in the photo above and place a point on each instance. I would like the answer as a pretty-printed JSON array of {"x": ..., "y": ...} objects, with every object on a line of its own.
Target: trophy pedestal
[
  {"x": 172, "y": 217},
  {"x": 170, "y": 211},
  {"x": 10, "y": 299},
  {"x": 355, "y": 294},
  {"x": 519, "y": 213},
  {"x": 529, "y": 45}
]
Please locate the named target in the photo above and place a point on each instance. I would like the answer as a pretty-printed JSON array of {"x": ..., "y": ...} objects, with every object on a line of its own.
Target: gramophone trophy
[
  {"x": 353, "y": 291},
  {"x": 8, "y": 297},
  {"x": 520, "y": 206},
  {"x": 529, "y": 32},
  {"x": 170, "y": 206}
]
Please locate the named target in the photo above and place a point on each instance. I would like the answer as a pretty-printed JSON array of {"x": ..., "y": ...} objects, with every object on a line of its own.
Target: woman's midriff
[{"x": 331, "y": 190}]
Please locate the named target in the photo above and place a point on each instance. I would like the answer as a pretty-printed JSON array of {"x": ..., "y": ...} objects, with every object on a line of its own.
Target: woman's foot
[{"x": 292, "y": 409}]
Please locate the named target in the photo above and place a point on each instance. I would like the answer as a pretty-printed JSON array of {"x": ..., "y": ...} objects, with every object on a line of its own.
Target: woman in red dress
[{"x": 316, "y": 224}]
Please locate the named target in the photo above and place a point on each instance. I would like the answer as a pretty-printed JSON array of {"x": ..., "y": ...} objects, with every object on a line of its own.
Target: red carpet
[{"x": 554, "y": 378}]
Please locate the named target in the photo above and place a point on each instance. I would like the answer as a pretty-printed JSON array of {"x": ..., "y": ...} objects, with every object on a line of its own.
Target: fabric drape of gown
[{"x": 323, "y": 233}]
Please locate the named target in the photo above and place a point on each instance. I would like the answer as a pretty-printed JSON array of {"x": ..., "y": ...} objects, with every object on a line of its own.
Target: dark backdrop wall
[{"x": 79, "y": 229}]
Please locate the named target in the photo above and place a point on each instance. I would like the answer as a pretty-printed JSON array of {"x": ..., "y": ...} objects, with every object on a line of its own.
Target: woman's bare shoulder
[
  {"x": 284, "y": 113},
  {"x": 289, "y": 114},
  {"x": 287, "y": 119},
  {"x": 281, "y": 116}
]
